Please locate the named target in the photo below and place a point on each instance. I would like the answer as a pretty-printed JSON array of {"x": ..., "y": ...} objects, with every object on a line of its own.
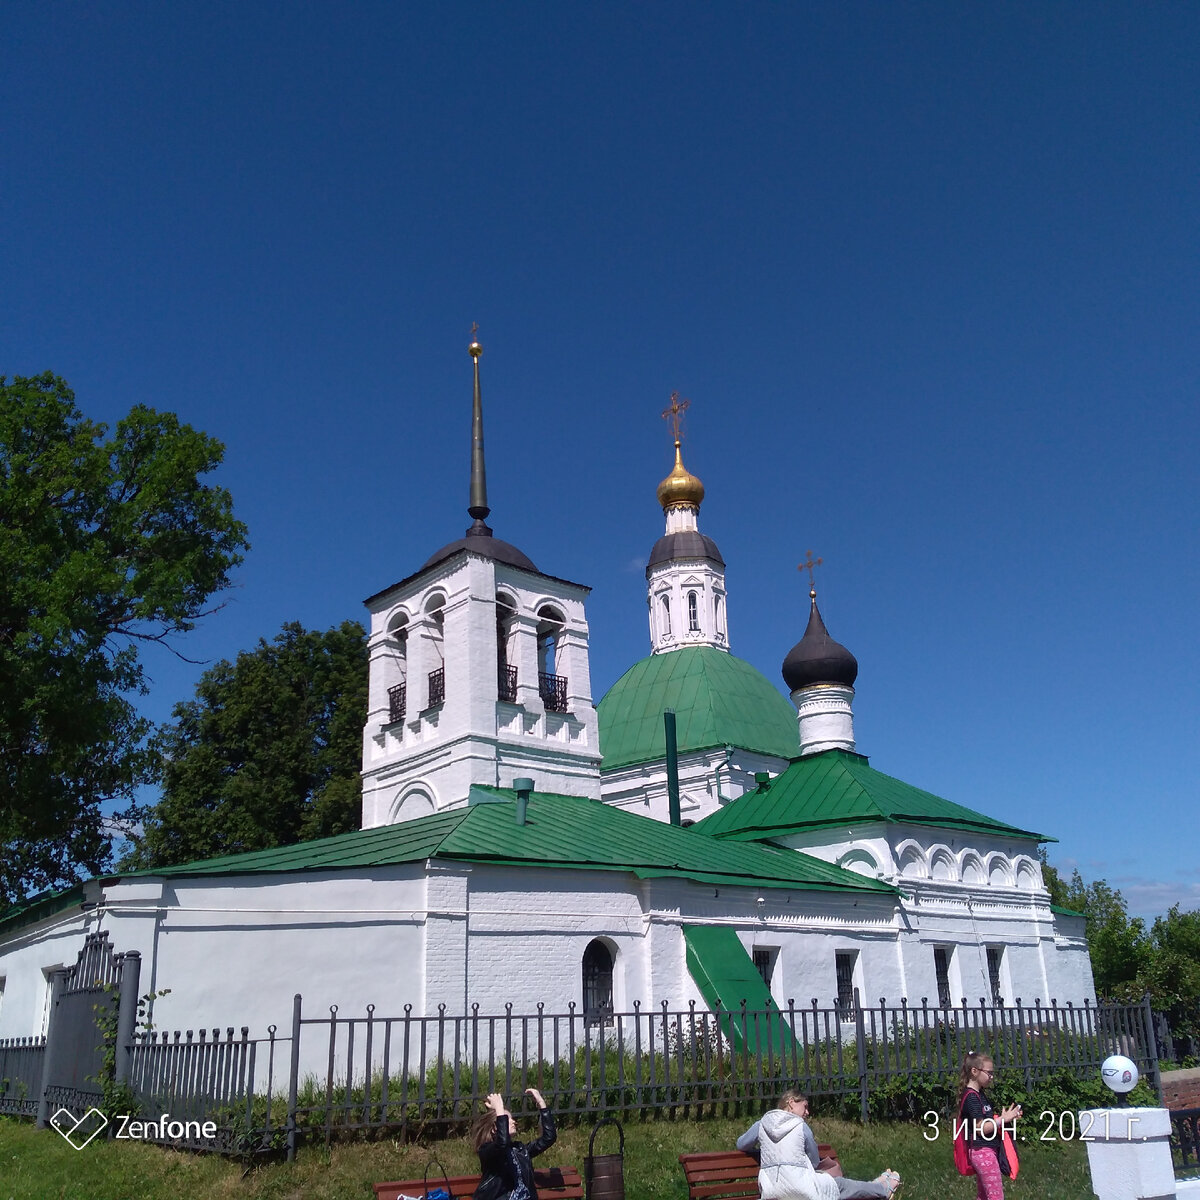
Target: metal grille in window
[
  {"x": 506, "y": 684},
  {"x": 553, "y": 690},
  {"x": 941, "y": 964},
  {"x": 597, "y": 984},
  {"x": 437, "y": 686},
  {"x": 844, "y": 963},
  {"x": 763, "y": 960},
  {"x": 397, "y": 701},
  {"x": 994, "y": 954}
]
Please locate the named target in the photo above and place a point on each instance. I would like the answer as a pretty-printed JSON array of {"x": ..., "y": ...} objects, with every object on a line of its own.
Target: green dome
[{"x": 718, "y": 700}]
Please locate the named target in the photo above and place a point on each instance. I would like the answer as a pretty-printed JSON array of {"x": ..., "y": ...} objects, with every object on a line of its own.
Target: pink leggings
[{"x": 989, "y": 1181}]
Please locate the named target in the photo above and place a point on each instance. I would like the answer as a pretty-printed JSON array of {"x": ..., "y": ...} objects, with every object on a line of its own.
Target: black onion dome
[
  {"x": 687, "y": 543},
  {"x": 484, "y": 544},
  {"x": 817, "y": 658}
]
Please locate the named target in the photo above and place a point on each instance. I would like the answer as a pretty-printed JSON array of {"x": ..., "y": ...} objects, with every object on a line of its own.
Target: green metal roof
[
  {"x": 839, "y": 788},
  {"x": 38, "y": 908},
  {"x": 727, "y": 978},
  {"x": 560, "y": 831},
  {"x": 718, "y": 700}
]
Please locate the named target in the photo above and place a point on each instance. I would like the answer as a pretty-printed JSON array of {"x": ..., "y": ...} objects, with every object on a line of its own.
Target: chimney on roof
[{"x": 522, "y": 787}]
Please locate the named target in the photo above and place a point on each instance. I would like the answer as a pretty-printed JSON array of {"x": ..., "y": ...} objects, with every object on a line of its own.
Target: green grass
[{"x": 39, "y": 1165}]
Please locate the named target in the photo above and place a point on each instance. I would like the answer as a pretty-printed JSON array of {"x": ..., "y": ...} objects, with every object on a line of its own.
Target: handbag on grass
[{"x": 437, "y": 1193}]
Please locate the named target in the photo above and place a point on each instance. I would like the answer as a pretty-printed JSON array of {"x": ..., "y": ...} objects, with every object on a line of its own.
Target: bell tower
[
  {"x": 685, "y": 577},
  {"x": 479, "y": 672}
]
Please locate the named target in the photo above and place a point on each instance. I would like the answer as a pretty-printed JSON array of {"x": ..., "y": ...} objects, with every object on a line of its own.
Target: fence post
[
  {"x": 860, "y": 1040},
  {"x": 58, "y": 982},
  {"x": 293, "y": 1080},
  {"x": 1151, "y": 1045},
  {"x": 127, "y": 1007}
]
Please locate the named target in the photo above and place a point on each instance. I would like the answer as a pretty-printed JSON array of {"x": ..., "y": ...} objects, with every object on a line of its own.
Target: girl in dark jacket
[
  {"x": 506, "y": 1165},
  {"x": 984, "y": 1128}
]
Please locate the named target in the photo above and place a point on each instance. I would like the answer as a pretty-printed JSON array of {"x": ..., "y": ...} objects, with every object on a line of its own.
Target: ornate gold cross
[{"x": 674, "y": 412}]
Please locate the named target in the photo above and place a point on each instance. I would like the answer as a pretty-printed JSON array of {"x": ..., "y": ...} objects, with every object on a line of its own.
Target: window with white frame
[
  {"x": 764, "y": 962},
  {"x": 844, "y": 963},
  {"x": 995, "y": 962},
  {"x": 597, "y": 983},
  {"x": 941, "y": 967},
  {"x": 48, "y": 994}
]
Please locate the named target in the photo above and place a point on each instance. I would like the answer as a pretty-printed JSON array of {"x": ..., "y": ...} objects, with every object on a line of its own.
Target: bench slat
[
  {"x": 553, "y": 1183},
  {"x": 728, "y": 1174}
]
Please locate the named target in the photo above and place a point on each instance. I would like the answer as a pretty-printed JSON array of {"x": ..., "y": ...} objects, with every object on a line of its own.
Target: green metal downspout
[{"x": 672, "y": 766}]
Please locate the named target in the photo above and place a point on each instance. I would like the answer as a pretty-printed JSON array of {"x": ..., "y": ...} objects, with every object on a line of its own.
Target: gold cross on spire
[
  {"x": 674, "y": 413},
  {"x": 808, "y": 565},
  {"x": 474, "y": 329}
]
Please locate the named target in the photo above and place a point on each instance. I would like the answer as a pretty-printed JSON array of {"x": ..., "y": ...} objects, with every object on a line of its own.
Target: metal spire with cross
[
  {"x": 809, "y": 565},
  {"x": 478, "y": 503}
]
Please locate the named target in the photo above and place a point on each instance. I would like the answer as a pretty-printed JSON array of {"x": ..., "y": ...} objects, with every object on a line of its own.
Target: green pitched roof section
[
  {"x": 38, "y": 908},
  {"x": 727, "y": 978},
  {"x": 840, "y": 788},
  {"x": 560, "y": 831},
  {"x": 718, "y": 700}
]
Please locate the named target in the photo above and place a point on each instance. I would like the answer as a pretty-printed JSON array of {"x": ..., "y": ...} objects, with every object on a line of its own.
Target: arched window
[
  {"x": 506, "y": 672},
  {"x": 718, "y": 628},
  {"x": 396, "y": 671},
  {"x": 551, "y": 685},
  {"x": 693, "y": 614},
  {"x": 436, "y": 687},
  {"x": 597, "y": 983},
  {"x": 666, "y": 615}
]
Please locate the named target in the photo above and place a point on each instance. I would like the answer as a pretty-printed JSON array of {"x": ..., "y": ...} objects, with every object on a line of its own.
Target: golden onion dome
[{"x": 681, "y": 486}]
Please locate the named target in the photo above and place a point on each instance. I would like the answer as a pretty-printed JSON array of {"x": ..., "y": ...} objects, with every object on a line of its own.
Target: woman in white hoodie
[{"x": 786, "y": 1172}]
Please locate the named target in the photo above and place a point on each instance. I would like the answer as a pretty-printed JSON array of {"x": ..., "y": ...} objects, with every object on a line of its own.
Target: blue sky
[{"x": 927, "y": 272}]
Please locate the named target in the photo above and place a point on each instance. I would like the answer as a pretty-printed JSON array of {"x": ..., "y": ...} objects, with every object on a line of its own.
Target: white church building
[{"x": 509, "y": 820}]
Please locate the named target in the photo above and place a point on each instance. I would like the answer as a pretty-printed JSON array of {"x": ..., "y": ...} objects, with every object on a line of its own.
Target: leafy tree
[
  {"x": 1060, "y": 892},
  {"x": 105, "y": 542},
  {"x": 1171, "y": 973},
  {"x": 267, "y": 754},
  {"x": 1117, "y": 943}
]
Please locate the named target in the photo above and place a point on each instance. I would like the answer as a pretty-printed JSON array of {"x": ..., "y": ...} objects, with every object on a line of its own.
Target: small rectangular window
[
  {"x": 995, "y": 956},
  {"x": 764, "y": 963},
  {"x": 844, "y": 963},
  {"x": 48, "y": 975},
  {"x": 941, "y": 965}
]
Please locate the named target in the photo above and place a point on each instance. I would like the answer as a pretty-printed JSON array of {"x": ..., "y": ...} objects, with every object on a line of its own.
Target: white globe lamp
[{"x": 1119, "y": 1073}]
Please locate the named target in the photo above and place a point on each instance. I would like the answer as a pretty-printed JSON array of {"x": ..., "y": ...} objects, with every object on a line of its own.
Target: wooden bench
[
  {"x": 717, "y": 1174},
  {"x": 553, "y": 1183}
]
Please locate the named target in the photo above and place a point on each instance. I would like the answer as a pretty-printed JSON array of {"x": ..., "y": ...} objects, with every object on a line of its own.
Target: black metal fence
[
  {"x": 414, "y": 1073},
  {"x": 1185, "y": 1137},
  {"x": 346, "y": 1075},
  {"x": 181, "y": 1081},
  {"x": 21, "y": 1065}
]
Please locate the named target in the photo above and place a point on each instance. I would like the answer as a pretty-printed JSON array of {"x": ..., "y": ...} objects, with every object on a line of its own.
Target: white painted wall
[
  {"x": 235, "y": 949},
  {"x": 708, "y": 780},
  {"x": 428, "y": 761}
]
